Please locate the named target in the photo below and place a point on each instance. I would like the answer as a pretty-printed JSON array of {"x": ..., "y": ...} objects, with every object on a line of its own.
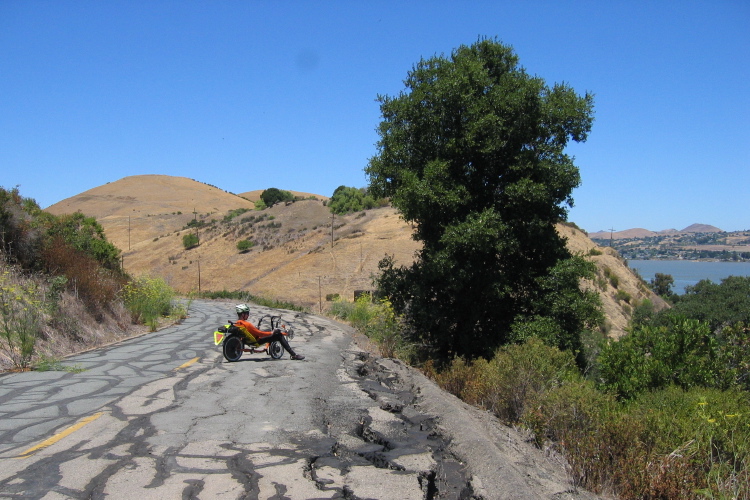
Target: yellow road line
[
  {"x": 57, "y": 437},
  {"x": 185, "y": 365}
]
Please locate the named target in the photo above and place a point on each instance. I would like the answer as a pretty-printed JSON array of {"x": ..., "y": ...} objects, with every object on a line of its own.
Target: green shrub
[
  {"x": 681, "y": 444},
  {"x": 148, "y": 299},
  {"x": 614, "y": 280},
  {"x": 20, "y": 313},
  {"x": 623, "y": 296},
  {"x": 358, "y": 313},
  {"x": 651, "y": 357},
  {"x": 234, "y": 213},
  {"x": 377, "y": 321},
  {"x": 568, "y": 411},
  {"x": 190, "y": 240},
  {"x": 733, "y": 355},
  {"x": 668, "y": 442},
  {"x": 245, "y": 245},
  {"x": 383, "y": 328},
  {"x": 512, "y": 380},
  {"x": 341, "y": 309},
  {"x": 349, "y": 199}
]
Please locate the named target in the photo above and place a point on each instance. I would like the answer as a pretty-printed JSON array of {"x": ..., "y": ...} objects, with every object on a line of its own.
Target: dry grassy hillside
[
  {"x": 142, "y": 207},
  {"x": 619, "y": 288},
  {"x": 296, "y": 257},
  {"x": 255, "y": 195}
]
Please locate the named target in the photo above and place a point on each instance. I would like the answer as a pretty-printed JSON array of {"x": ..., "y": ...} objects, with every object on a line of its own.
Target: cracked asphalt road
[{"x": 165, "y": 416}]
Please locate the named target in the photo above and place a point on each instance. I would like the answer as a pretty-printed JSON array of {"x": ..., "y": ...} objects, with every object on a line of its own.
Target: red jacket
[{"x": 252, "y": 331}]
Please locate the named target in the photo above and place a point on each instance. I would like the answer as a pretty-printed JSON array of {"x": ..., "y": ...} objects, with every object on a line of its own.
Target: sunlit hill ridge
[{"x": 300, "y": 253}]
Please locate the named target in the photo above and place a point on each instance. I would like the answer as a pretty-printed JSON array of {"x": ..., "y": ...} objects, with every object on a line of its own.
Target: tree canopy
[
  {"x": 662, "y": 284},
  {"x": 349, "y": 199},
  {"x": 27, "y": 230},
  {"x": 271, "y": 196},
  {"x": 718, "y": 304},
  {"x": 472, "y": 153}
]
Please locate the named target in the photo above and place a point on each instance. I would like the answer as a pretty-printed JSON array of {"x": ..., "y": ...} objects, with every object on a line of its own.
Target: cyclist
[{"x": 256, "y": 336}]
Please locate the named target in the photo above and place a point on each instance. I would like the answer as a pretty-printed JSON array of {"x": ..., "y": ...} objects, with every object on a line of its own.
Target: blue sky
[{"x": 248, "y": 95}]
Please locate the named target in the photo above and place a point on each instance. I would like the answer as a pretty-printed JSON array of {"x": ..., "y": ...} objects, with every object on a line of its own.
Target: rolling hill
[
  {"x": 645, "y": 233},
  {"x": 301, "y": 253}
]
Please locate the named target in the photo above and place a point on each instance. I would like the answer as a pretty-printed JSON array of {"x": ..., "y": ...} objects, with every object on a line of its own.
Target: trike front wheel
[{"x": 232, "y": 348}]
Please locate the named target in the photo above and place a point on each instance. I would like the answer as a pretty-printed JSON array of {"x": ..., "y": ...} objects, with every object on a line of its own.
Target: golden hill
[
  {"x": 298, "y": 256},
  {"x": 255, "y": 195}
]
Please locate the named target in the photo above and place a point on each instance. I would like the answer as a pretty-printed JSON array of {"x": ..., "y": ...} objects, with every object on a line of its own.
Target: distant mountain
[
  {"x": 645, "y": 233},
  {"x": 701, "y": 228}
]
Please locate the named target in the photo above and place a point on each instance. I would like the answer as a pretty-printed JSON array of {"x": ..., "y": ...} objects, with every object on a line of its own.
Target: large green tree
[
  {"x": 272, "y": 196},
  {"x": 349, "y": 199},
  {"x": 471, "y": 153}
]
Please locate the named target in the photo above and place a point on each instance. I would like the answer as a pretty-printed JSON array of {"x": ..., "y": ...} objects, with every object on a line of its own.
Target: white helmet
[{"x": 242, "y": 308}]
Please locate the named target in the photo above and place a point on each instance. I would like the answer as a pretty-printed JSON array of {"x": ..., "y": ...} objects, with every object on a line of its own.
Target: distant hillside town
[{"x": 696, "y": 242}]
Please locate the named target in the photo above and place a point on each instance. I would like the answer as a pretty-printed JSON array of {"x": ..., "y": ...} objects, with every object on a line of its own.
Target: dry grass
[{"x": 141, "y": 216}]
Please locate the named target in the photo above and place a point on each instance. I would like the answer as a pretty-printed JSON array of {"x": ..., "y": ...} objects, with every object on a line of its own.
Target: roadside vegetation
[
  {"x": 662, "y": 413},
  {"x": 62, "y": 289}
]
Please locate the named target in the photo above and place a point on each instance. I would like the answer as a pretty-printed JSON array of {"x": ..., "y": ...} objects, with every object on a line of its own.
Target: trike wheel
[
  {"x": 232, "y": 348},
  {"x": 275, "y": 350}
]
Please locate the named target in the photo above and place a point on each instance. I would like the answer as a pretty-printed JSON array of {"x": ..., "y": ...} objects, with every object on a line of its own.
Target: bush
[
  {"x": 651, "y": 357},
  {"x": 717, "y": 304},
  {"x": 567, "y": 412},
  {"x": 349, "y": 199},
  {"x": 375, "y": 320},
  {"x": 669, "y": 443},
  {"x": 245, "y": 245},
  {"x": 614, "y": 280},
  {"x": 95, "y": 285},
  {"x": 234, "y": 213},
  {"x": 623, "y": 296},
  {"x": 20, "y": 312},
  {"x": 148, "y": 299},
  {"x": 733, "y": 355},
  {"x": 190, "y": 240},
  {"x": 509, "y": 383}
]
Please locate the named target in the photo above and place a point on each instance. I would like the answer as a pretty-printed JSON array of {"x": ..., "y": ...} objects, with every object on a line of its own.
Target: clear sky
[{"x": 249, "y": 95}]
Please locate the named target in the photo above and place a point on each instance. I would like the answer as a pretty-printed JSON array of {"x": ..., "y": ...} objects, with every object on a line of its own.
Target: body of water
[{"x": 689, "y": 272}]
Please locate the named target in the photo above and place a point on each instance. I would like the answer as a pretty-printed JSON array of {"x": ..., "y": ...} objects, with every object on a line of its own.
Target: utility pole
[
  {"x": 199, "y": 276},
  {"x": 195, "y": 223},
  {"x": 320, "y": 298},
  {"x": 128, "y": 232},
  {"x": 333, "y": 218}
]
